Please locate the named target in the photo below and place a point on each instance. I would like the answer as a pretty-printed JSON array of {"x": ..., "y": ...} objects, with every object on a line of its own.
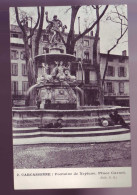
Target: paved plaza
[{"x": 116, "y": 154}]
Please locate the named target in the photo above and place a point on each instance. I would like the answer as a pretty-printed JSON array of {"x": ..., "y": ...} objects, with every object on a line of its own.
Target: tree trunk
[
  {"x": 39, "y": 32},
  {"x": 70, "y": 48},
  {"x": 70, "y": 39},
  {"x": 30, "y": 100},
  {"x": 96, "y": 61}
]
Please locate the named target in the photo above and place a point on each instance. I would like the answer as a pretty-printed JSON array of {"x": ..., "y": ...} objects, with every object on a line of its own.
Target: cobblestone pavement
[{"x": 73, "y": 155}]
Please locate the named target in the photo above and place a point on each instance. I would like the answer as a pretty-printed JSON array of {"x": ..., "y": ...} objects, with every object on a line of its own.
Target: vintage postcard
[{"x": 70, "y": 96}]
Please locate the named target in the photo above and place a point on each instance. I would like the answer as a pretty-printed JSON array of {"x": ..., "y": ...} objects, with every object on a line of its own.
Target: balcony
[
  {"x": 110, "y": 93},
  {"x": 122, "y": 94},
  {"x": 88, "y": 84}
]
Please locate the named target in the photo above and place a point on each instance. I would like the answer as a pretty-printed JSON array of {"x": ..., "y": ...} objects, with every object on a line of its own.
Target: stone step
[
  {"x": 67, "y": 121},
  {"x": 70, "y": 134},
  {"x": 66, "y": 129},
  {"x": 77, "y": 140}
]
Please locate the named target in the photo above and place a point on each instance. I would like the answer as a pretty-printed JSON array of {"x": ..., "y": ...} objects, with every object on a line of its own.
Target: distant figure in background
[{"x": 118, "y": 119}]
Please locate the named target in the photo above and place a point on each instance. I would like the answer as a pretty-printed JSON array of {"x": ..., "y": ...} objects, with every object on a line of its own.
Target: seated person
[
  {"x": 105, "y": 122},
  {"x": 58, "y": 124},
  {"x": 118, "y": 119}
]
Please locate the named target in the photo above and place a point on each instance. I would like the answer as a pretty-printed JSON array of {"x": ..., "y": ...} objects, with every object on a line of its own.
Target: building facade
[
  {"x": 116, "y": 82},
  {"x": 116, "y": 85}
]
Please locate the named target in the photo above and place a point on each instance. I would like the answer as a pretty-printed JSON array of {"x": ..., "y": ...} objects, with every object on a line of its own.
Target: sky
[{"x": 109, "y": 31}]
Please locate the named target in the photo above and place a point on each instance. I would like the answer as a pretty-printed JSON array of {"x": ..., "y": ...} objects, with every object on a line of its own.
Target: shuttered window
[
  {"x": 122, "y": 71},
  {"x": 14, "y": 87},
  {"x": 22, "y": 55},
  {"x": 121, "y": 87},
  {"x": 14, "y": 69},
  {"x": 24, "y": 70},
  {"x": 25, "y": 85},
  {"x": 109, "y": 86},
  {"x": 14, "y": 54},
  {"x": 111, "y": 71}
]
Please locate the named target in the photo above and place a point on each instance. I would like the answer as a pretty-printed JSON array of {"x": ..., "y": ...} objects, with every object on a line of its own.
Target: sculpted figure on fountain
[
  {"x": 54, "y": 29},
  {"x": 60, "y": 72}
]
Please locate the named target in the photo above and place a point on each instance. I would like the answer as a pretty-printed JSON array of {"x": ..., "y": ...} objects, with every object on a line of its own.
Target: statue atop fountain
[{"x": 54, "y": 29}]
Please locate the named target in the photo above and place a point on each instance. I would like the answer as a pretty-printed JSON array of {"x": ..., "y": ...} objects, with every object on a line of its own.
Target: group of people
[{"x": 114, "y": 119}]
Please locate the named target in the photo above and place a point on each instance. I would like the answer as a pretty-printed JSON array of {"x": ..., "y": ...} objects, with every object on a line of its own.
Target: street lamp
[{"x": 79, "y": 24}]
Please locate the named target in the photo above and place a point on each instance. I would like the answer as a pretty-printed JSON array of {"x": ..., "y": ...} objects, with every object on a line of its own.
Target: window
[
  {"x": 14, "y": 69},
  {"x": 46, "y": 38},
  {"x": 22, "y": 55},
  {"x": 122, "y": 59},
  {"x": 25, "y": 85},
  {"x": 86, "y": 55},
  {"x": 14, "y": 54},
  {"x": 121, "y": 87},
  {"x": 109, "y": 87},
  {"x": 122, "y": 72},
  {"x": 110, "y": 71},
  {"x": 86, "y": 43},
  {"x": 15, "y": 35},
  {"x": 24, "y": 70},
  {"x": 14, "y": 87},
  {"x": 86, "y": 76}
]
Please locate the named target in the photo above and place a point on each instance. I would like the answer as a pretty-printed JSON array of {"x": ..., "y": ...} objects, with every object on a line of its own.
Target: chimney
[
  {"x": 124, "y": 53},
  {"x": 91, "y": 33}
]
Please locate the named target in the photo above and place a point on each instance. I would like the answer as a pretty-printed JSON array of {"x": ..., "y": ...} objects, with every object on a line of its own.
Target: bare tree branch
[
  {"x": 119, "y": 14},
  {"x": 36, "y": 25},
  {"x": 94, "y": 7},
  {"x": 117, "y": 42},
  {"x": 39, "y": 32},
  {"x": 89, "y": 29},
  {"x": 19, "y": 22},
  {"x": 123, "y": 24},
  {"x": 67, "y": 10}
]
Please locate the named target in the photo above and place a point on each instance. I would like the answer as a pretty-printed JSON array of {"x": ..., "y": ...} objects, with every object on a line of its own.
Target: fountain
[
  {"x": 56, "y": 89},
  {"x": 60, "y": 97}
]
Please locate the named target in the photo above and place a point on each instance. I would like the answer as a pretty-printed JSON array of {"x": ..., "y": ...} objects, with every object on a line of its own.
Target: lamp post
[{"x": 79, "y": 24}]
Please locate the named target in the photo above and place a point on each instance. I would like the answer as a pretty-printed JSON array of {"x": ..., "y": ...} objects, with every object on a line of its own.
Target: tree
[
  {"x": 96, "y": 60},
  {"x": 121, "y": 19},
  {"x": 27, "y": 36},
  {"x": 37, "y": 39},
  {"x": 39, "y": 31},
  {"x": 72, "y": 38}
]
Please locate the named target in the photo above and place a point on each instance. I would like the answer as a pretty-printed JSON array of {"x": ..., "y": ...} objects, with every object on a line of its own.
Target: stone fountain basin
[{"x": 23, "y": 117}]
